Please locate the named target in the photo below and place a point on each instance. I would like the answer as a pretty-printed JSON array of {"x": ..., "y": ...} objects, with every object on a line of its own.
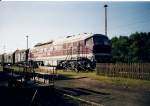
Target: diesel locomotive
[{"x": 79, "y": 52}]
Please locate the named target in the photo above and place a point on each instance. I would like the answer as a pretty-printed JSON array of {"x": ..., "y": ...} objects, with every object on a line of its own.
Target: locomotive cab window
[
  {"x": 89, "y": 42},
  {"x": 101, "y": 44},
  {"x": 101, "y": 40}
]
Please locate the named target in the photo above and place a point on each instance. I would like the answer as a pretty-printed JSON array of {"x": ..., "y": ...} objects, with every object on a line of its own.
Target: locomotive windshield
[
  {"x": 101, "y": 44},
  {"x": 101, "y": 40}
]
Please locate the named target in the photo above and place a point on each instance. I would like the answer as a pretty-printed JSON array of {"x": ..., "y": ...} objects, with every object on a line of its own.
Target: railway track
[
  {"x": 82, "y": 101},
  {"x": 43, "y": 80}
]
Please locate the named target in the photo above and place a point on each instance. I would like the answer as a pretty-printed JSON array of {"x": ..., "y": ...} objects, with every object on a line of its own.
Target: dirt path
[{"x": 105, "y": 94}]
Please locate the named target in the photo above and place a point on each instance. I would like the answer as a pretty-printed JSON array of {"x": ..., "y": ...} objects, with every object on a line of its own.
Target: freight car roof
[
  {"x": 10, "y": 53},
  {"x": 22, "y": 50}
]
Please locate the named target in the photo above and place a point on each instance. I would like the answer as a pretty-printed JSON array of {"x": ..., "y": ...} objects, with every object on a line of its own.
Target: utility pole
[
  {"x": 4, "y": 49},
  {"x": 26, "y": 53},
  {"x": 105, "y": 6},
  {"x": 27, "y": 49},
  {"x": 27, "y": 41},
  {"x": 3, "y": 58}
]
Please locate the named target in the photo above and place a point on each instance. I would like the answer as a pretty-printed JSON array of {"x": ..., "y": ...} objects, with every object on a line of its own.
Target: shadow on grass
[
  {"x": 68, "y": 77},
  {"x": 81, "y": 91},
  {"x": 3, "y": 76},
  {"x": 146, "y": 100},
  {"x": 44, "y": 97},
  {"x": 96, "y": 92}
]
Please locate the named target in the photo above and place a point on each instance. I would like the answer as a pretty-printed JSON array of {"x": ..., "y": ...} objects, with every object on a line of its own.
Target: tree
[{"x": 135, "y": 48}]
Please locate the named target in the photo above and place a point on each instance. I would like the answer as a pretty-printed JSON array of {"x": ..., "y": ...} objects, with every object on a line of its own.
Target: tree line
[{"x": 133, "y": 48}]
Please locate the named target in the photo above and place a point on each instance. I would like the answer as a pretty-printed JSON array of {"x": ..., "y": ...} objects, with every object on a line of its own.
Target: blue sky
[{"x": 44, "y": 21}]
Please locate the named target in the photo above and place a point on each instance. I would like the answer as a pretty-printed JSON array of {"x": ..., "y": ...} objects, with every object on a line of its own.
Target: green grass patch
[
  {"x": 21, "y": 69},
  {"x": 110, "y": 80},
  {"x": 1, "y": 68},
  {"x": 104, "y": 79},
  {"x": 16, "y": 68}
]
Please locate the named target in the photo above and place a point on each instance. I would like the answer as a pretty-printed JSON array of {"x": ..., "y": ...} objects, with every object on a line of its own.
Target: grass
[
  {"x": 17, "y": 68},
  {"x": 109, "y": 80},
  {"x": 1, "y": 68}
]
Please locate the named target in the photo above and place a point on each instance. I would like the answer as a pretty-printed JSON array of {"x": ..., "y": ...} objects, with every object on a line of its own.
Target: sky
[{"x": 43, "y": 21}]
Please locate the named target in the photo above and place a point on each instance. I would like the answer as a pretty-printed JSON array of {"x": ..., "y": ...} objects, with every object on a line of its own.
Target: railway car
[
  {"x": 18, "y": 57},
  {"x": 1, "y": 59},
  {"x": 77, "y": 51},
  {"x": 8, "y": 58},
  {"x": 21, "y": 56}
]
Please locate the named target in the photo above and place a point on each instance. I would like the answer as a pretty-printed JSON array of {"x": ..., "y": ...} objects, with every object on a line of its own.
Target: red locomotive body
[{"x": 73, "y": 50}]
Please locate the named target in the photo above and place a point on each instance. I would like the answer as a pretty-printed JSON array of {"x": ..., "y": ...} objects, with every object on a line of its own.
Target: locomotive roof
[
  {"x": 69, "y": 39},
  {"x": 40, "y": 44},
  {"x": 73, "y": 38}
]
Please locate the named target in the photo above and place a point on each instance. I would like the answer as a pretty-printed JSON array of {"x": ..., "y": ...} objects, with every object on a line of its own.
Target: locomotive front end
[{"x": 100, "y": 47}]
